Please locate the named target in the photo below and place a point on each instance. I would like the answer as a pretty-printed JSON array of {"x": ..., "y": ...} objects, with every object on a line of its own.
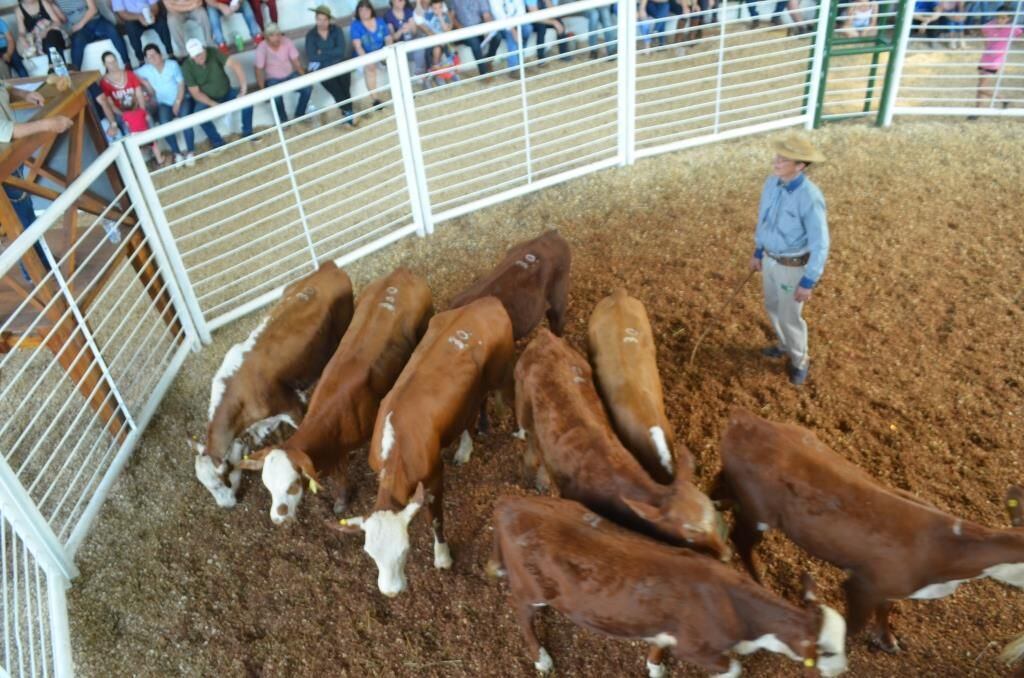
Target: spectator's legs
[
  {"x": 986, "y": 84},
  {"x": 78, "y": 42},
  {"x": 101, "y": 29},
  {"x": 135, "y": 29},
  {"x": 257, "y": 10},
  {"x": 200, "y": 16},
  {"x": 278, "y": 101},
  {"x": 478, "y": 54},
  {"x": 659, "y": 10},
  {"x": 542, "y": 31},
  {"x": 752, "y": 10},
  {"x": 176, "y": 25},
  {"x": 208, "y": 127},
  {"x": 187, "y": 105},
  {"x": 339, "y": 89},
  {"x": 22, "y": 203},
  {"x": 418, "y": 61},
  {"x": 213, "y": 16},
  {"x": 17, "y": 65},
  {"x": 165, "y": 114},
  {"x": 165, "y": 35},
  {"x": 250, "y": 20},
  {"x": 370, "y": 76},
  {"x": 54, "y": 39}
]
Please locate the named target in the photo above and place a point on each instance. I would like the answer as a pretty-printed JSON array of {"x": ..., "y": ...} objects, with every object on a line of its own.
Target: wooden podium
[{"x": 46, "y": 318}]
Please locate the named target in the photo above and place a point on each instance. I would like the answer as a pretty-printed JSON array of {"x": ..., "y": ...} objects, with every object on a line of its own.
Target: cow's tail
[
  {"x": 1014, "y": 651},
  {"x": 495, "y": 565}
]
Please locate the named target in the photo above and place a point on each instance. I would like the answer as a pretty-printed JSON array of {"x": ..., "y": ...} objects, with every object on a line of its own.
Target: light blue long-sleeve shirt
[{"x": 791, "y": 221}]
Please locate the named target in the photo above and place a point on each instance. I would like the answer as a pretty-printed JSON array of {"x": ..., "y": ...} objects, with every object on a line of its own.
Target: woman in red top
[{"x": 123, "y": 93}]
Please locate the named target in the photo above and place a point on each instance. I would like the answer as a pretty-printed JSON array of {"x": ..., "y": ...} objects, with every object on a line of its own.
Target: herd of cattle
[{"x": 631, "y": 547}]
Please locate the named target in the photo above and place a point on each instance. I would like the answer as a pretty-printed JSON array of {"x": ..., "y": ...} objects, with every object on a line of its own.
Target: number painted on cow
[
  {"x": 632, "y": 336},
  {"x": 390, "y": 299}
]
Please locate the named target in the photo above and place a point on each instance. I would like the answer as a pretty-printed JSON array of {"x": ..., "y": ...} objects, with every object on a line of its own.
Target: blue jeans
[
  {"x": 601, "y": 18},
  {"x": 304, "y": 94},
  {"x": 525, "y": 31},
  {"x": 135, "y": 29},
  {"x": 97, "y": 29},
  {"x": 22, "y": 203},
  {"x": 478, "y": 53},
  {"x": 211, "y": 130},
  {"x": 165, "y": 114},
  {"x": 16, "y": 64},
  {"x": 655, "y": 10},
  {"x": 218, "y": 30},
  {"x": 780, "y": 7}
]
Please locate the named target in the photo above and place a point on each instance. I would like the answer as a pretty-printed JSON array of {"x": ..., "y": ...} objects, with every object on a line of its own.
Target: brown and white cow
[
  {"x": 466, "y": 353},
  {"x": 571, "y": 443},
  {"x": 558, "y": 553},
  {"x": 622, "y": 351},
  {"x": 892, "y": 544},
  {"x": 532, "y": 278},
  {"x": 261, "y": 382},
  {"x": 391, "y": 316}
]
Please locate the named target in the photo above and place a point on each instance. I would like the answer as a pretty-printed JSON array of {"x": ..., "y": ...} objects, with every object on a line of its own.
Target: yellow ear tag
[
  {"x": 245, "y": 457},
  {"x": 1013, "y": 503},
  {"x": 343, "y": 521},
  {"x": 809, "y": 663},
  {"x": 314, "y": 486}
]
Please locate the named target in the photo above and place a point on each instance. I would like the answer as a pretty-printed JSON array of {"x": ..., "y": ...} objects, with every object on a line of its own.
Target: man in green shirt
[{"x": 208, "y": 83}]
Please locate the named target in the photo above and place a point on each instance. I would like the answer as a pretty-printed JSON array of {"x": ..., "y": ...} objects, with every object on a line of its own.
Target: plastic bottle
[
  {"x": 239, "y": 42},
  {"x": 60, "y": 69}
]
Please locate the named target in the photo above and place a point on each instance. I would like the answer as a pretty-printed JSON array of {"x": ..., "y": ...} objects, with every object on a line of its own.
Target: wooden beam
[{"x": 89, "y": 201}]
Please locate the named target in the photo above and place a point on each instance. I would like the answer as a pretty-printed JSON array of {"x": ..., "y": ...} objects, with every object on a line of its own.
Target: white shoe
[
  {"x": 178, "y": 158},
  {"x": 190, "y": 159}
]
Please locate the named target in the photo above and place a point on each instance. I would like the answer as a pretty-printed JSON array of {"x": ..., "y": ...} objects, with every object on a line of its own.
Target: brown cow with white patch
[
  {"x": 390, "y": 318},
  {"x": 622, "y": 351},
  {"x": 262, "y": 380},
  {"x": 608, "y": 579},
  {"x": 892, "y": 544},
  {"x": 531, "y": 279},
  {"x": 571, "y": 443},
  {"x": 466, "y": 353}
]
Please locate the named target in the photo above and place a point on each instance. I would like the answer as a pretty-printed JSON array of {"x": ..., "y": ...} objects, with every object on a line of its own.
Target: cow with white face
[
  {"x": 390, "y": 318},
  {"x": 466, "y": 353},
  {"x": 262, "y": 381}
]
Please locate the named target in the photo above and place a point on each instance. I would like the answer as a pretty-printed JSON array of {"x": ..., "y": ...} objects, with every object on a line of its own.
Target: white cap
[{"x": 194, "y": 47}]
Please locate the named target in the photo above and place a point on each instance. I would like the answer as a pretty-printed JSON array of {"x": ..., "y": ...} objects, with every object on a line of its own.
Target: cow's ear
[
  {"x": 809, "y": 588},
  {"x": 305, "y": 466},
  {"x": 254, "y": 461},
  {"x": 651, "y": 514},
  {"x": 346, "y": 525},
  {"x": 1015, "y": 505},
  {"x": 414, "y": 504},
  {"x": 196, "y": 446}
]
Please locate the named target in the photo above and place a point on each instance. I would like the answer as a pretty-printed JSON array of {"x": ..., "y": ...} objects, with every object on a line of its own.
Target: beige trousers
[{"x": 780, "y": 283}]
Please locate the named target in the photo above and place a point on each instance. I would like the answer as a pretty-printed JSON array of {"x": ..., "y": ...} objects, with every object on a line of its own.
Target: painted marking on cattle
[
  {"x": 662, "y": 640},
  {"x": 592, "y": 519},
  {"x": 632, "y": 336},
  {"x": 465, "y": 449},
  {"x": 526, "y": 261},
  {"x": 958, "y": 527},
  {"x": 831, "y": 643},
  {"x": 460, "y": 339},
  {"x": 387, "y": 439},
  {"x": 655, "y": 670},
  {"x": 283, "y": 482},
  {"x": 390, "y": 299},
  {"x": 543, "y": 663},
  {"x": 577, "y": 375},
  {"x": 661, "y": 445},
  {"x": 232, "y": 362},
  {"x": 734, "y": 670}
]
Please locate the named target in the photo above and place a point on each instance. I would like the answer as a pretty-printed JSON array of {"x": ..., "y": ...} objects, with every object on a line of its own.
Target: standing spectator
[
  {"x": 369, "y": 34},
  {"x": 923, "y": 18},
  {"x": 85, "y": 25},
  {"x": 653, "y": 9},
  {"x": 277, "y": 60},
  {"x": 208, "y": 85},
  {"x": 562, "y": 36},
  {"x": 755, "y": 18},
  {"x": 257, "y": 10},
  {"x": 8, "y": 46},
  {"x": 180, "y": 11},
  {"x": 997, "y": 33},
  {"x": 515, "y": 38},
  {"x": 471, "y": 13},
  {"x": 123, "y": 94},
  {"x": 39, "y": 28},
  {"x": 165, "y": 83},
  {"x": 137, "y": 16},
  {"x": 215, "y": 9},
  {"x": 861, "y": 19},
  {"x": 702, "y": 14},
  {"x": 325, "y": 46},
  {"x": 598, "y": 18},
  {"x": 403, "y": 25},
  {"x": 951, "y": 15}
]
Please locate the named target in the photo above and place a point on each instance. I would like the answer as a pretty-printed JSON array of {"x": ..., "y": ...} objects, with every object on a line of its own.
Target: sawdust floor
[{"x": 917, "y": 349}]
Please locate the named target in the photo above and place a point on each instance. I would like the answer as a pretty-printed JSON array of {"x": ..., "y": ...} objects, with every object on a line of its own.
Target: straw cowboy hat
[
  {"x": 323, "y": 9},
  {"x": 796, "y": 146}
]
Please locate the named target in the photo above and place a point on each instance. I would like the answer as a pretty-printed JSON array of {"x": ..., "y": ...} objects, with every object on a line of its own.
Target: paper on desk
[{"x": 30, "y": 86}]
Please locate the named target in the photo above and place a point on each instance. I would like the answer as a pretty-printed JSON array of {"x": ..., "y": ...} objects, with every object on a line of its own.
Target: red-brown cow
[
  {"x": 892, "y": 544},
  {"x": 466, "y": 354},
  {"x": 390, "y": 318},
  {"x": 262, "y": 380},
  {"x": 608, "y": 579},
  {"x": 561, "y": 417},
  {"x": 531, "y": 279},
  {"x": 622, "y": 350}
]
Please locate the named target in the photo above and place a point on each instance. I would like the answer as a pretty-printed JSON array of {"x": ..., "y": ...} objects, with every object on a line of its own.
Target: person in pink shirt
[
  {"x": 998, "y": 34},
  {"x": 277, "y": 60}
]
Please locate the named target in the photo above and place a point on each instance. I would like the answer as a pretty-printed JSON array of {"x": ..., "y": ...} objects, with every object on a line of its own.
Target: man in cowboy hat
[{"x": 791, "y": 247}]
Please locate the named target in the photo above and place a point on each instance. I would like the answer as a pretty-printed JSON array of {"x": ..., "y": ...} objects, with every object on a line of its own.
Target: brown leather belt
[{"x": 800, "y": 260}]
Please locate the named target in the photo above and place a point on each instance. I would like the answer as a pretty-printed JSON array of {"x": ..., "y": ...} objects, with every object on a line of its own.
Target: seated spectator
[
  {"x": 216, "y": 9},
  {"x": 952, "y": 16},
  {"x": 257, "y": 10},
  {"x": 8, "y": 46},
  {"x": 277, "y": 60},
  {"x": 598, "y": 18},
  {"x": 180, "y": 11},
  {"x": 123, "y": 100},
  {"x": 139, "y": 15},
  {"x": 325, "y": 46},
  {"x": 404, "y": 24},
  {"x": 515, "y": 38},
  {"x": 471, "y": 13},
  {"x": 85, "y": 25},
  {"x": 861, "y": 19},
  {"x": 165, "y": 84},
  {"x": 563, "y": 36},
  {"x": 208, "y": 85},
  {"x": 997, "y": 33},
  {"x": 435, "y": 21},
  {"x": 369, "y": 34},
  {"x": 39, "y": 28}
]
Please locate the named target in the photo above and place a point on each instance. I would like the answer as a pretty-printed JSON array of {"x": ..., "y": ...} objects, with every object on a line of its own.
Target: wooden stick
[{"x": 711, "y": 325}]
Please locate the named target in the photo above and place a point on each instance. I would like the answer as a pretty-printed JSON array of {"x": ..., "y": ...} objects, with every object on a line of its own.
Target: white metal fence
[{"x": 117, "y": 289}]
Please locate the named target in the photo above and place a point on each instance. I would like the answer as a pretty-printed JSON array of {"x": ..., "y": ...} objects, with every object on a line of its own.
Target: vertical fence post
[
  {"x": 723, "y": 8},
  {"x": 402, "y": 99},
  {"x": 819, "y": 64},
  {"x": 524, "y": 101},
  {"x": 17, "y": 506},
  {"x": 163, "y": 230},
  {"x": 60, "y": 632},
  {"x": 894, "y": 70},
  {"x": 295, "y": 185},
  {"x": 145, "y": 219},
  {"x": 625, "y": 50}
]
